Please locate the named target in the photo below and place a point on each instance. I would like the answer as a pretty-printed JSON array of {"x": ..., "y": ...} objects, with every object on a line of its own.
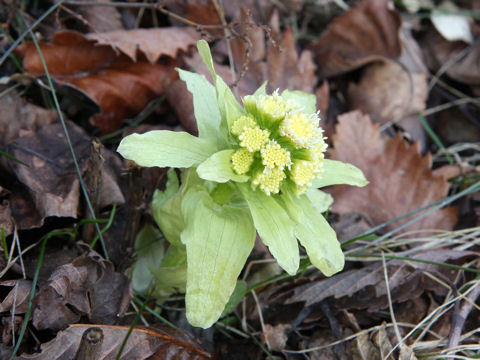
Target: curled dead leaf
[
  {"x": 401, "y": 180},
  {"x": 387, "y": 91},
  {"x": 365, "y": 33},
  {"x": 455, "y": 58},
  {"x": 86, "y": 286},
  {"x": 48, "y": 184}
]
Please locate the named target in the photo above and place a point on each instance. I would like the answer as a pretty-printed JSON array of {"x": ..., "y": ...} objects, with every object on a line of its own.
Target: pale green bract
[{"x": 252, "y": 169}]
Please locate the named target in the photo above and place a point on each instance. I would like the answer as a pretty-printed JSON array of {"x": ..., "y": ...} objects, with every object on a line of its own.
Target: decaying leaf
[
  {"x": 152, "y": 43},
  {"x": 461, "y": 58},
  {"x": 391, "y": 90},
  {"x": 17, "y": 298},
  {"x": 86, "y": 286},
  {"x": 101, "y": 18},
  {"x": 367, "y": 32},
  {"x": 280, "y": 63},
  {"x": 143, "y": 343},
  {"x": 366, "y": 289},
  {"x": 401, "y": 180},
  {"x": 388, "y": 92},
  {"x": 121, "y": 73},
  {"x": 18, "y": 115},
  {"x": 276, "y": 336},
  {"x": 49, "y": 184},
  {"x": 286, "y": 69}
]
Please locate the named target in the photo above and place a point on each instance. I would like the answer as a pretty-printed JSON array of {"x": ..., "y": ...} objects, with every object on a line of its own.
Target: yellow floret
[
  {"x": 301, "y": 129},
  {"x": 242, "y": 160},
  {"x": 274, "y": 106},
  {"x": 303, "y": 173},
  {"x": 317, "y": 155},
  {"x": 243, "y": 122},
  {"x": 269, "y": 180},
  {"x": 253, "y": 138},
  {"x": 274, "y": 156}
]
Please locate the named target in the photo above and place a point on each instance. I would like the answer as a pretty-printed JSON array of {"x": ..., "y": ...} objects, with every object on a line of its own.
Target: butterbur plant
[{"x": 252, "y": 169}]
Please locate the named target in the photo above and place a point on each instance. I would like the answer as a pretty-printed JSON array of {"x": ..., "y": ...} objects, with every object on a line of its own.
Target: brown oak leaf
[
  {"x": 401, "y": 180},
  {"x": 120, "y": 70}
]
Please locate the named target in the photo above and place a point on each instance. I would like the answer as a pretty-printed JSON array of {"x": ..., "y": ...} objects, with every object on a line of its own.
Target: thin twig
[{"x": 460, "y": 316}]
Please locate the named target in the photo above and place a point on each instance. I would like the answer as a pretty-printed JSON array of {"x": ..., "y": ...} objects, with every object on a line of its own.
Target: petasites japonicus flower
[{"x": 252, "y": 169}]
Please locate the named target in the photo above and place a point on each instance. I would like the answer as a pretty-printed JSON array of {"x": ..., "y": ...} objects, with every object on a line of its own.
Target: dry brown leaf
[
  {"x": 286, "y": 69},
  {"x": 199, "y": 11},
  {"x": 86, "y": 286},
  {"x": 401, "y": 180},
  {"x": 48, "y": 185},
  {"x": 366, "y": 289},
  {"x": 152, "y": 43},
  {"x": 100, "y": 18},
  {"x": 143, "y": 343},
  {"x": 394, "y": 91},
  {"x": 121, "y": 73},
  {"x": 276, "y": 336},
  {"x": 455, "y": 58},
  {"x": 281, "y": 65},
  {"x": 18, "y": 297},
  {"x": 367, "y": 32},
  {"x": 18, "y": 116},
  {"x": 387, "y": 91}
]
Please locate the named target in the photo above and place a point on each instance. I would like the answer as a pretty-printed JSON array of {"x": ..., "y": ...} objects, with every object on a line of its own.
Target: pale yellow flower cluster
[{"x": 278, "y": 143}]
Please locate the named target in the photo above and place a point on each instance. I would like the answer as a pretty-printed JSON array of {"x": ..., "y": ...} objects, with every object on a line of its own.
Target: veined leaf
[
  {"x": 274, "y": 227},
  {"x": 218, "y": 168},
  {"x": 218, "y": 240},
  {"x": 149, "y": 252},
  {"x": 337, "y": 172},
  {"x": 314, "y": 233},
  {"x": 205, "y": 105},
  {"x": 166, "y": 209},
  {"x": 306, "y": 100},
  {"x": 262, "y": 90},
  {"x": 229, "y": 107},
  {"x": 320, "y": 199},
  {"x": 166, "y": 148}
]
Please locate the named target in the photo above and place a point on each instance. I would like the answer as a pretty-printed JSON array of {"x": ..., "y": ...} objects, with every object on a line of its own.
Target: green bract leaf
[
  {"x": 218, "y": 240},
  {"x": 205, "y": 106},
  {"x": 149, "y": 251},
  {"x": 166, "y": 148},
  {"x": 218, "y": 168},
  {"x": 319, "y": 240},
  {"x": 204, "y": 51},
  {"x": 337, "y": 172},
  {"x": 236, "y": 297},
  {"x": 321, "y": 200},
  {"x": 229, "y": 107},
  {"x": 166, "y": 209},
  {"x": 262, "y": 90},
  {"x": 274, "y": 227},
  {"x": 306, "y": 100},
  {"x": 171, "y": 273},
  {"x": 315, "y": 234}
]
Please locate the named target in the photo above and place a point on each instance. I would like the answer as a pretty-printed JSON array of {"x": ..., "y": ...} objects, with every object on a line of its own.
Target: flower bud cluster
[{"x": 278, "y": 142}]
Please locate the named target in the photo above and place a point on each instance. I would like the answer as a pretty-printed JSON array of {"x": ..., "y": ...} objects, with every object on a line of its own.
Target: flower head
[
  {"x": 253, "y": 138},
  {"x": 301, "y": 129},
  {"x": 274, "y": 156},
  {"x": 269, "y": 180},
  {"x": 242, "y": 161},
  {"x": 242, "y": 123}
]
